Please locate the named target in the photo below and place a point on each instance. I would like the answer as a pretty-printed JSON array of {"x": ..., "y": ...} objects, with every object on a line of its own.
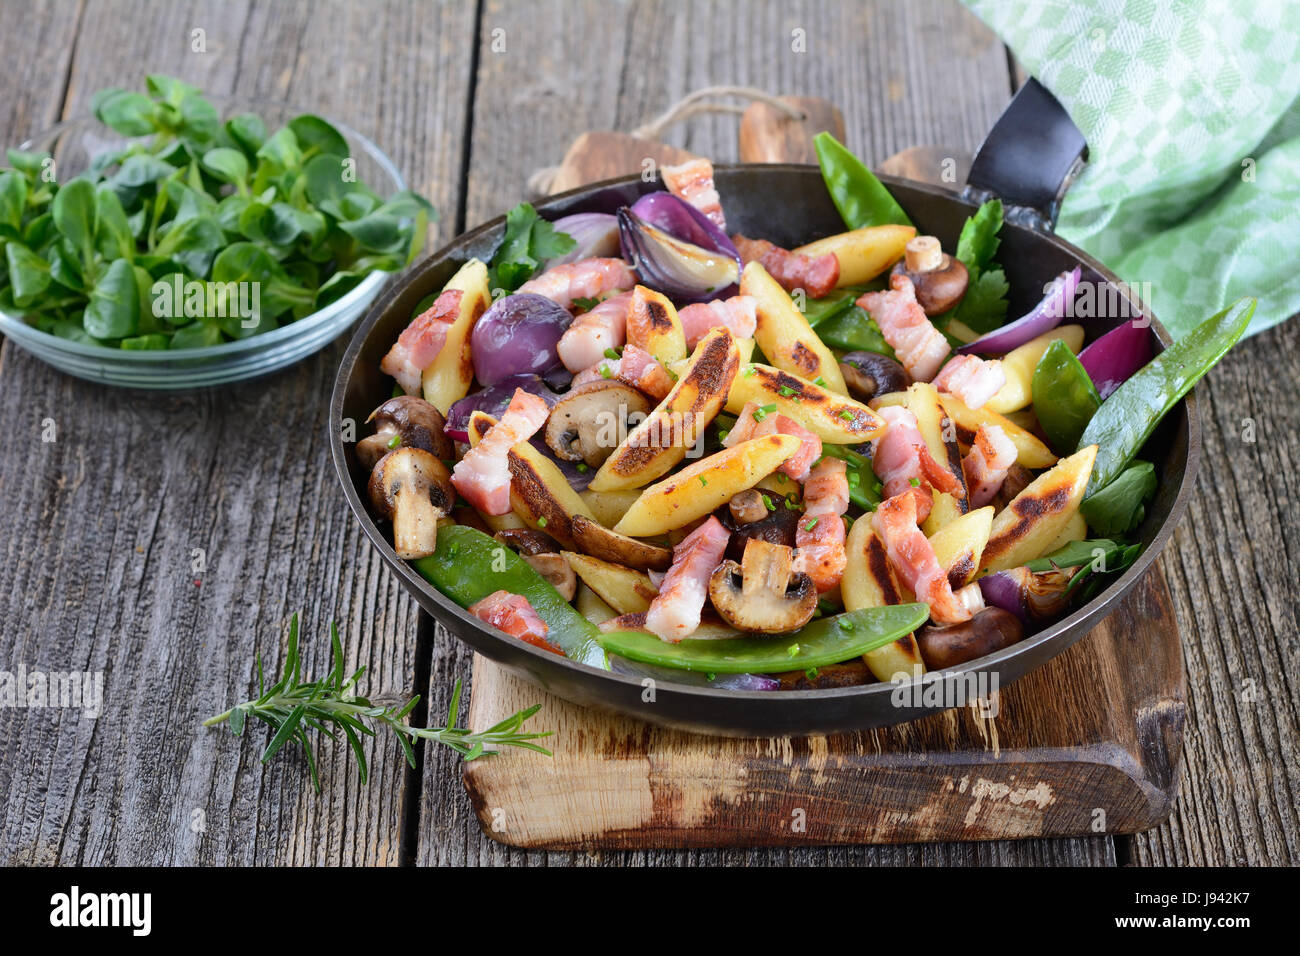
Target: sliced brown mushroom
[
  {"x": 413, "y": 422},
  {"x": 595, "y": 539},
  {"x": 939, "y": 279},
  {"x": 412, "y": 489},
  {"x": 528, "y": 541},
  {"x": 763, "y": 593},
  {"x": 588, "y": 424},
  {"x": 556, "y": 570},
  {"x": 990, "y": 630},
  {"x": 868, "y": 374}
]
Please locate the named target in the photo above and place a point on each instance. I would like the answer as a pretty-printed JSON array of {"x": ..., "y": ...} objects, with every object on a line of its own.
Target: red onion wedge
[
  {"x": 1113, "y": 358},
  {"x": 1044, "y": 317},
  {"x": 1032, "y": 596},
  {"x": 493, "y": 401},
  {"x": 676, "y": 250},
  {"x": 596, "y": 235}
]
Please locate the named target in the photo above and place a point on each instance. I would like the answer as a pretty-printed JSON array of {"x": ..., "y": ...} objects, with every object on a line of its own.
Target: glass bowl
[{"x": 72, "y": 144}]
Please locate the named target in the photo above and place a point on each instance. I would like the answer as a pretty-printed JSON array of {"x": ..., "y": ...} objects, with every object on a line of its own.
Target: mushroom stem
[
  {"x": 413, "y": 489},
  {"x": 923, "y": 254}
]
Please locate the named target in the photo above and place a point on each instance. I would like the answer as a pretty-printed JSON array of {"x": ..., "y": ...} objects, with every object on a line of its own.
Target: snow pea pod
[
  {"x": 1126, "y": 419},
  {"x": 861, "y": 198},
  {"x": 468, "y": 565},
  {"x": 1064, "y": 397},
  {"x": 825, "y": 641}
]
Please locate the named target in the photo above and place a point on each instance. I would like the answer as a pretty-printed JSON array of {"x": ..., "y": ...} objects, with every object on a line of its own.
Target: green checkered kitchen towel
[{"x": 1191, "y": 110}]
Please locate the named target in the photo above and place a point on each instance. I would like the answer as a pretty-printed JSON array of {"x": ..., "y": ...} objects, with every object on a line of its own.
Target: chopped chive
[
  {"x": 810, "y": 673},
  {"x": 768, "y": 501},
  {"x": 819, "y": 381},
  {"x": 811, "y": 524},
  {"x": 914, "y": 482},
  {"x": 605, "y": 372},
  {"x": 611, "y": 354},
  {"x": 582, "y": 467},
  {"x": 793, "y": 650},
  {"x": 845, "y": 624},
  {"x": 723, "y": 433},
  {"x": 703, "y": 483},
  {"x": 750, "y": 371},
  {"x": 395, "y": 441},
  {"x": 846, "y": 415},
  {"x": 781, "y": 479},
  {"x": 854, "y": 478},
  {"x": 786, "y": 391},
  {"x": 541, "y": 522}
]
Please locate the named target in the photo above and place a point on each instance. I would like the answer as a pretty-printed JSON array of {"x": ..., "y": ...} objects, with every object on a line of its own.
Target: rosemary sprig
[{"x": 292, "y": 706}]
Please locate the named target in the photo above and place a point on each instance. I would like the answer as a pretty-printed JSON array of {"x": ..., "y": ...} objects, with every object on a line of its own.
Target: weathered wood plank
[
  {"x": 38, "y": 40},
  {"x": 542, "y": 87},
  {"x": 99, "y": 527},
  {"x": 1233, "y": 568}
]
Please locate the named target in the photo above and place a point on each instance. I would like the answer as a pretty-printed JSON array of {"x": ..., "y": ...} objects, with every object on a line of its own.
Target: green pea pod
[
  {"x": 1064, "y": 397},
  {"x": 1127, "y": 418},
  {"x": 468, "y": 565},
  {"x": 853, "y": 331},
  {"x": 825, "y": 641},
  {"x": 861, "y": 198}
]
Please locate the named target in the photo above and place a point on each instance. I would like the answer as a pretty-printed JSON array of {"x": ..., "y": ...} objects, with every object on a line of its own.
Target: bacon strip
[
  {"x": 912, "y": 557},
  {"x": 919, "y": 345},
  {"x": 584, "y": 343},
  {"x": 636, "y": 367},
  {"x": 991, "y": 455},
  {"x": 816, "y": 275},
  {"x": 974, "y": 380},
  {"x": 421, "y": 341},
  {"x": 513, "y": 614},
  {"x": 692, "y": 181},
  {"x": 747, "y": 427},
  {"x": 739, "y": 314},
  {"x": 585, "y": 279},
  {"x": 819, "y": 535},
  {"x": 903, "y": 463},
  {"x": 482, "y": 477},
  {"x": 675, "y": 611}
]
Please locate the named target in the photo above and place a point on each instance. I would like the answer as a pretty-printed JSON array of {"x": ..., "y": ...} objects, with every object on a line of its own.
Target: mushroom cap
[
  {"x": 419, "y": 423},
  {"x": 869, "y": 374},
  {"x": 939, "y": 289},
  {"x": 763, "y": 593},
  {"x": 556, "y": 570},
  {"x": 778, "y": 527},
  {"x": 528, "y": 541},
  {"x": 588, "y": 423},
  {"x": 990, "y": 630}
]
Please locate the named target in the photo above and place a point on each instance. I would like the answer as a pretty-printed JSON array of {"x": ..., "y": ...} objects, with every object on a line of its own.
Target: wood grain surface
[{"x": 97, "y": 529}]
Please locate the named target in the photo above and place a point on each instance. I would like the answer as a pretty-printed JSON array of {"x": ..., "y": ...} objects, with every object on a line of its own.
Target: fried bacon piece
[
  {"x": 513, "y": 614},
  {"x": 816, "y": 275},
  {"x": 421, "y": 341}
]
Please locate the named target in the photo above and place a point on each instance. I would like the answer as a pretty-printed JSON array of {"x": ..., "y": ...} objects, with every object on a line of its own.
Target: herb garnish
[{"x": 292, "y": 705}]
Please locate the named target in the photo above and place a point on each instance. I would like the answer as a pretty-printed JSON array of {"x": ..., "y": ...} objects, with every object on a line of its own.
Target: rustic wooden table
[{"x": 98, "y": 527}]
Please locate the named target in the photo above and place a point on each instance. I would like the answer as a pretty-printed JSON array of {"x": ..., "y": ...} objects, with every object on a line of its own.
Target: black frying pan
[{"x": 789, "y": 205}]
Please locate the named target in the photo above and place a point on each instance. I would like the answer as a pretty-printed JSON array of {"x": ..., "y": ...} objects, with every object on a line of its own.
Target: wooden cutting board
[{"x": 1089, "y": 743}]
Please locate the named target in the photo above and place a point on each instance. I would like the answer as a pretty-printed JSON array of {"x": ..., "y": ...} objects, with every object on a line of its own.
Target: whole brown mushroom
[
  {"x": 990, "y": 630},
  {"x": 939, "y": 279},
  {"x": 869, "y": 374},
  {"x": 413, "y": 422}
]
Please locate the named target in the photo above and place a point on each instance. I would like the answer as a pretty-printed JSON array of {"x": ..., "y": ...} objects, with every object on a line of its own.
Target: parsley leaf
[
  {"x": 529, "y": 241},
  {"x": 984, "y": 306}
]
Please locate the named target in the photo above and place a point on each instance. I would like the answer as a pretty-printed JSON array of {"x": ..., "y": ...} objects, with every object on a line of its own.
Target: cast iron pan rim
[{"x": 1095, "y": 609}]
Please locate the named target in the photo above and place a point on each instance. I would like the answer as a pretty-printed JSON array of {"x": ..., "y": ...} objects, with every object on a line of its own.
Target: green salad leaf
[{"x": 189, "y": 197}]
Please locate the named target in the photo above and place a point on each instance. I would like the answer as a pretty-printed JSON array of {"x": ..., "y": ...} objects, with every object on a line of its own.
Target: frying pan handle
[{"x": 1029, "y": 158}]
